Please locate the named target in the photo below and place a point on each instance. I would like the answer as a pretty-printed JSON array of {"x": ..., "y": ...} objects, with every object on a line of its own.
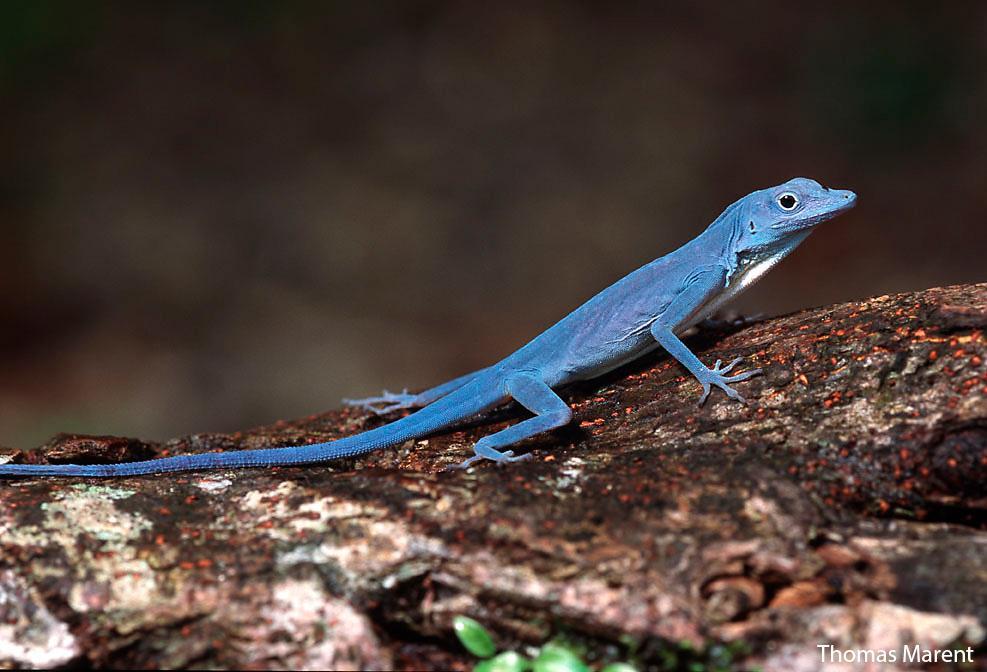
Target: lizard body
[{"x": 646, "y": 309}]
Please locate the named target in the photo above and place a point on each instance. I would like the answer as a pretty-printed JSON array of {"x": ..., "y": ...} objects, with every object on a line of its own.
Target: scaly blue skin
[{"x": 649, "y": 308}]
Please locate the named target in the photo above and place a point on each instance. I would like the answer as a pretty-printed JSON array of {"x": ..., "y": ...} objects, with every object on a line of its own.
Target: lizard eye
[
  {"x": 788, "y": 201},
  {"x": 753, "y": 227}
]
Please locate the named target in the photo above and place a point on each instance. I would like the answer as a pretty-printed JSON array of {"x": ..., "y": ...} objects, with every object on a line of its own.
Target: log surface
[{"x": 846, "y": 503}]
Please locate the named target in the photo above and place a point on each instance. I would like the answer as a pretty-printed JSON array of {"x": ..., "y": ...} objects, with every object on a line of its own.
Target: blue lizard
[{"x": 649, "y": 308}]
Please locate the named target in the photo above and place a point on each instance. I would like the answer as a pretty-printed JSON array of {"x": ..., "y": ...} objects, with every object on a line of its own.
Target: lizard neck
[
  {"x": 722, "y": 241},
  {"x": 749, "y": 267},
  {"x": 742, "y": 269}
]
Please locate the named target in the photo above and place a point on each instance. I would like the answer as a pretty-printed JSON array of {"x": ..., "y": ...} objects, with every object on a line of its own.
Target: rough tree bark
[{"x": 845, "y": 504}]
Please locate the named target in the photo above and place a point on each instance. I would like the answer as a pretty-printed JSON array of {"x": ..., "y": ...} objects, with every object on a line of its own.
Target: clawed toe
[
  {"x": 506, "y": 457},
  {"x": 728, "y": 367},
  {"x": 734, "y": 394},
  {"x": 743, "y": 376},
  {"x": 715, "y": 376},
  {"x": 464, "y": 465}
]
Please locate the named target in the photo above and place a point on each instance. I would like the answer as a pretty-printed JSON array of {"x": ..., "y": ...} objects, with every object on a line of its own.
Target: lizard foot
[
  {"x": 485, "y": 453},
  {"x": 388, "y": 402},
  {"x": 715, "y": 376}
]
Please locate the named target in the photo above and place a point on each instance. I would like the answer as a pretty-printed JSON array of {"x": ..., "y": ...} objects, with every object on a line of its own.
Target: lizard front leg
[
  {"x": 706, "y": 376},
  {"x": 699, "y": 288}
]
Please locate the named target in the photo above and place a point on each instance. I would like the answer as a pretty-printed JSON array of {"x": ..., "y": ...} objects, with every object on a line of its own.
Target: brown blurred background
[{"x": 219, "y": 214}]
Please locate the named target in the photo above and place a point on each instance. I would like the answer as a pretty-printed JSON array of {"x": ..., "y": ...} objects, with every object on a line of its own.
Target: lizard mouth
[
  {"x": 845, "y": 199},
  {"x": 839, "y": 201}
]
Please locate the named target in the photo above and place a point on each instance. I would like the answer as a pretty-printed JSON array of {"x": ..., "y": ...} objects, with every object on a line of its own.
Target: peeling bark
[{"x": 845, "y": 504}]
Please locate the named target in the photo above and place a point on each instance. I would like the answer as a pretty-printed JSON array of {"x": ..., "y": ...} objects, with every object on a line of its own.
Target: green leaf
[
  {"x": 619, "y": 667},
  {"x": 474, "y": 637},
  {"x": 669, "y": 659},
  {"x": 631, "y": 643},
  {"x": 508, "y": 661},
  {"x": 557, "y": 658}
]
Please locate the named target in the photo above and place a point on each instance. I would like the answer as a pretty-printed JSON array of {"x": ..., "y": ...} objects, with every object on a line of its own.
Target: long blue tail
[{"x": 469, "y": 400}]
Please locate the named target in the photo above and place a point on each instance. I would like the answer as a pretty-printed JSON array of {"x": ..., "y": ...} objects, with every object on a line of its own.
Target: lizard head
[{"x": 779, "y": 214}]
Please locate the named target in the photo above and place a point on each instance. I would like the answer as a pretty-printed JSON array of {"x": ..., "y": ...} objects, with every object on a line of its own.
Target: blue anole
[{"x": 649, "y": 308}]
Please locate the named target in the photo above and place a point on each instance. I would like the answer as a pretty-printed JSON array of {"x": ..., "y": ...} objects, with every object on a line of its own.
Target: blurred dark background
[{"x": 219, "y": 214}]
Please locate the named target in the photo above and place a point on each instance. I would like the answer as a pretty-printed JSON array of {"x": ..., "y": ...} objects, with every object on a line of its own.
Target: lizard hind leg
[
  {"x": 536, "y": 396},
  {"x": 386, "y": 403},
  {"x": 389, "y": 402}
]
